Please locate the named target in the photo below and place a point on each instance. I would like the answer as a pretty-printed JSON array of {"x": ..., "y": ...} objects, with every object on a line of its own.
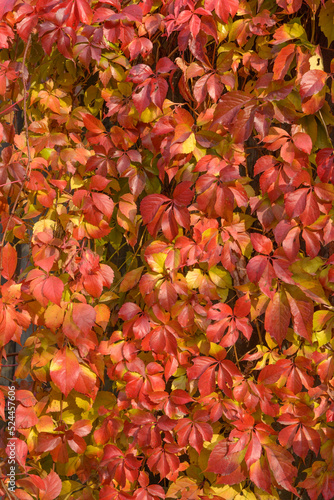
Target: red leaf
[
  {"x": 82, "y": 427},
  {"x": 280, "y": 462},
  {"x": 215, "y": 87},
  {"x": 9, "y": 261},
  {"x": 150, "y": 205},
  {"x": 295, "y": 202},
  {"x": 291, "y": 243},
  {"x": 182, "y": 194},
  {"x": 84, "y": 10},
  {"x": 287, "y": 434},
  {"x": 312, "y": 82},
  {"x": 259, "y": 473},
  {"x": 302, "y": 313},
  {"x": 306, "y": 439},
  {"x": 261, "y": 243},
  {"x": 25, "y": 417},
  {"x": 165, "y": 65},
  {"x": 77, "y": 444},
  {"x": 159, "y": 92},
  {"x": 129, "y": 311},
  {"x": 229, "y": 105},
  {"x": 104, "y": 203},
  {"x": 6, "y": 6},
  {"x": 311, "y": 212},
  {"x": 21, "y": 452},
  {"x": 312, "y": 242},
  {"x": 52, "y": 289},
  {"x": 270, "y": 374},
  {"x": 227, "y": 456},
  {"x": 167, "y": 295},
  {"x": 93, "y": 124},
  {"x": 93, "y": 284},
  {"x": 242, "y": 306},
  {"x": 140, "y": 46},
  {"x": 52, "y": 487},
  {"x": 223, "y": 8},
  {"x": 200, "y": 89},
  {"x": 64, "y": 370},
  {"x": 325, "y": 162},
  {"x": 84, "y": 316},
  {"x": 26, "y": 398},
  {"x": 277, "y": 318},
  {"x": 254, "y": 451},
  {"x": 47, "y": 442},
  {"x": 303, "y": 142},
  {"x": 131, "y": 279},
  {"x": 139, "y": 73},
  {"x": 283, "y": 61}
]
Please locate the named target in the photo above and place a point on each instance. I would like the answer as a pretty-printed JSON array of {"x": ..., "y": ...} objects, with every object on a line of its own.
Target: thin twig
[
  {"x": 259, "y": 332},
  {"x": 236, "y": 356},
  {"x": 325, "y": 126},
  {"x": 10, "y": 494},
  {"x": 8, "y": 183},
  {"x": 6, "y": 378},
  {"x": 28, "y": 169}
]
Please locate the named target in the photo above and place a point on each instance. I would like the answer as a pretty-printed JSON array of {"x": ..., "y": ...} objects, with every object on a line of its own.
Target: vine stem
[{"x": 28, "y": 169}]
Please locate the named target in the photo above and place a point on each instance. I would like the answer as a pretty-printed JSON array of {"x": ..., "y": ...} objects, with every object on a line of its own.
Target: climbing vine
[{"x": 166, "y": 254}]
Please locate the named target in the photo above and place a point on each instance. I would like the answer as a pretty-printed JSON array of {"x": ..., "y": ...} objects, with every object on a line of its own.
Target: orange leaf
[
  {"x": 64, "y": 370},
  {"x": 9, "y": 261}
]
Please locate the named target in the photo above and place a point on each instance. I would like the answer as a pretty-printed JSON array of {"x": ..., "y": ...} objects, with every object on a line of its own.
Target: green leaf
[
  {"x": 326, "y": 23},
  {"x": 295, "y": 30}
]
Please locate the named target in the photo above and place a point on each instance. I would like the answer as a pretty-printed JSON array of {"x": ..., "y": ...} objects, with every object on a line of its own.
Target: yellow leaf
[
  {"x": 43, "y": 225},
  {"x": 226, "y": 492},
  {"x": 150, "y": 114},
  {"x": 263, "y": 495},
  {"x": 316, "y": 62},
  {"x": 55, "y": 400},
  {"x": 54, "y": 316},
  {"x": 322, "y": 337},
  {"x": 76, "y": 182},
  {"x": 45, "y": 424},
  {"x": 83, "y": 402},
  {"x": 194, "y": 278},
  {"x": 189, "y": 144},
  {"x": 157, "y": 262},
  {"x": 220, "y": 277}
]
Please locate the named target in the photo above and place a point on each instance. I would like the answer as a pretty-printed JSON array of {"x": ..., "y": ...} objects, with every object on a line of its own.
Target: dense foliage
[{"x": 166, "y": 202}]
